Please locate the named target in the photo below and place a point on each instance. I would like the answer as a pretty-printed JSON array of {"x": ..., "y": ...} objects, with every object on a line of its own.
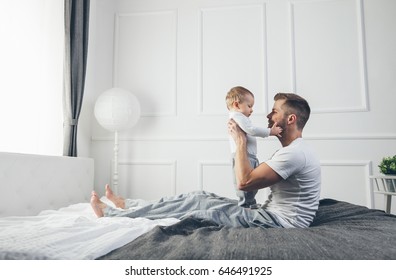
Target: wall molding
[
  {"x": 171, "y": 163},
  {"x": 367, "y": 165},
  {"x": 346, "y": 137},
  {"x": 202, "y": 164},
  {"x": 361, "y": 48},
  {"x": 174, "y": 95},
  {"x": 263, "y": 7}
]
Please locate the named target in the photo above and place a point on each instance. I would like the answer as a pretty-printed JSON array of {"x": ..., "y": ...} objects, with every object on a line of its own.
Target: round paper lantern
[{"x": 117, "y": 109}]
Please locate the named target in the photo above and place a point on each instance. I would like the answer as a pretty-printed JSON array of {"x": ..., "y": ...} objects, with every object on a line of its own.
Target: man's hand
[
  {"x": 249, "y": 179},
  {"x": 236, "y": 132}
]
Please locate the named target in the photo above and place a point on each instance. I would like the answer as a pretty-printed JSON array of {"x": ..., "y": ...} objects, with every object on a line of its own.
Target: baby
[{"x": 240, "y": 103}]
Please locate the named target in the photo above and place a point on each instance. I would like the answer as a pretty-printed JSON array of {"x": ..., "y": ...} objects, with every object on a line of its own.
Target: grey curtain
[{"x": 75, "y": 63}]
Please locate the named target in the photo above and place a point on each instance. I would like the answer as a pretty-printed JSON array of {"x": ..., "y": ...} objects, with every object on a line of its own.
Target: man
[
  {"x": 293, "y": 175},
  {"x": 293, "y": 172}
]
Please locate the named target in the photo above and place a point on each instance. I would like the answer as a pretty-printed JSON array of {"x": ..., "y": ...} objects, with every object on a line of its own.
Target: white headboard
[{"x": 32, "y": 183}]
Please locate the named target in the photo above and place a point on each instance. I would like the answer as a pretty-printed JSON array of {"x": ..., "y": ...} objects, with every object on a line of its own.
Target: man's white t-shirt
[{"x": 295, "y": 200}]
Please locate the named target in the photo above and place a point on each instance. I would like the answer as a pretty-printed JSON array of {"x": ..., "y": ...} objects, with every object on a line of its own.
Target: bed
[
  {"x": 45, "y": 214},
  {"x": 340, "y": 231},
  {"x": 45, "y": 211}
]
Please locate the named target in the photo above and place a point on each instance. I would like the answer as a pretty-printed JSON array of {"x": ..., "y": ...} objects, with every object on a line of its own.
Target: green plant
[{"x": 388, "y": 165}]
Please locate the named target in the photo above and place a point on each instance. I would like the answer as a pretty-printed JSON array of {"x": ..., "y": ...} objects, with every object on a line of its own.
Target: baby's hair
[{"x": 236, "y": 94}]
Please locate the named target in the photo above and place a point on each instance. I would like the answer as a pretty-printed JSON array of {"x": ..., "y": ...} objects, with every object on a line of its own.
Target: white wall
[{"x": 180, "y": 58}]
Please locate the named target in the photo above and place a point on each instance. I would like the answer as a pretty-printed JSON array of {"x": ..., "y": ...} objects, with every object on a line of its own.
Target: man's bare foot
[
  {"x": 117, "y": 200},
  {"x": 97, "y": 204}
]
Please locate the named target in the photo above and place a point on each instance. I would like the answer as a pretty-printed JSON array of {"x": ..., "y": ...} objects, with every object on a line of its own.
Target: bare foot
[
  {"x": 117, "y": 200},
  {"x": 97, "y": 204}
]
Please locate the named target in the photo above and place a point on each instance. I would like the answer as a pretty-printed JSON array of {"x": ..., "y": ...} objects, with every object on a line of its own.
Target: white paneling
[
  {"x": 329, "y": 66},
  {"x": 233, "y": 52},
  {"x": 347, "y": 180},
  {"x": 145, "y": 59},
  {"x": 339, "y": 54},
  {"x": 147, "y": 180},
  {"x": 213, "y": 177}
]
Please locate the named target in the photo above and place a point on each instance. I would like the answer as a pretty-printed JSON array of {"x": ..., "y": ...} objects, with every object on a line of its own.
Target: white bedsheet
[{"x": 70, "y": 233}]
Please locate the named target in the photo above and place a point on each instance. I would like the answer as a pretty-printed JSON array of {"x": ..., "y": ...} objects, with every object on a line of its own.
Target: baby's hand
[{"x": 276, "y": 130}]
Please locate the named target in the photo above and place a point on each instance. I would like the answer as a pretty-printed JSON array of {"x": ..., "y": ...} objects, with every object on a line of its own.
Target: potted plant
[{"x": 388, "y": 167}]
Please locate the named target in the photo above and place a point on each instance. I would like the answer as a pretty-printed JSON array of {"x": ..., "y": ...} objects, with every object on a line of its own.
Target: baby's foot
[
  {"x": 97, "y": 204},
  {"x": 117, "y": 200}
]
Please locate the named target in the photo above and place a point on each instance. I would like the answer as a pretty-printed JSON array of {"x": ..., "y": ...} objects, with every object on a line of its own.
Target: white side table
[{"x": 386, "y": 185}]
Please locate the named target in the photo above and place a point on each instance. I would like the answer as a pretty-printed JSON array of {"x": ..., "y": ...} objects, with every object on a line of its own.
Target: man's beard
[{"x": 282, "y": 124}]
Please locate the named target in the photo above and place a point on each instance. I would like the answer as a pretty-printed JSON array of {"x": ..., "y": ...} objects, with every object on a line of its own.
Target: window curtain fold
[{"x": 75, "y": 63}]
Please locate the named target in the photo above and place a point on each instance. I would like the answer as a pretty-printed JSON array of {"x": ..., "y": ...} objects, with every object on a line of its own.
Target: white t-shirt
[
  {"x": 295, "y": 200},
  {"x": 251, "y": 132}
]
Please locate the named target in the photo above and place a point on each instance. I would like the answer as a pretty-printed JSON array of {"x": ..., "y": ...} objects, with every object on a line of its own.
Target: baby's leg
[{"x": 246, "y": 199}]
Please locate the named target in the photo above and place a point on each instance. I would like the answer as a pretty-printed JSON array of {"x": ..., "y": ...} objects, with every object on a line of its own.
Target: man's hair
[
  {"x": 295, "y": 104},
  {"x": 237, "y": 94}
]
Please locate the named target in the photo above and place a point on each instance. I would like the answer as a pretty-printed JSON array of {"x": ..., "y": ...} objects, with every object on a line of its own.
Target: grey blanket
[{"x": 340, "y": 231}]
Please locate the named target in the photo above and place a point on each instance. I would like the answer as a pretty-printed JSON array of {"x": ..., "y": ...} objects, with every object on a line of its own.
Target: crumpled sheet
[{"x": 70, "y": 233}]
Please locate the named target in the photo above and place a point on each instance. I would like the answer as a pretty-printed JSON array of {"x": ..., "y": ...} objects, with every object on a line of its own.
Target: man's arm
[{"x": 249, "y": 179}]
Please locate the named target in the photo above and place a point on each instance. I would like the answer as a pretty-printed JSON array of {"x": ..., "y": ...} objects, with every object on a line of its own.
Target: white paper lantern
[{"x": 117, "y": 109}]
